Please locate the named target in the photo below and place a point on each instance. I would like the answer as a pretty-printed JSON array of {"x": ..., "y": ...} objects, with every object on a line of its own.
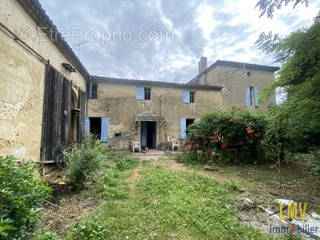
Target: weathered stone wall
[
  {"x": 118, "y": 101},
  {"x": 235, "y": 81},
  {"x": 22, "y": 83}
]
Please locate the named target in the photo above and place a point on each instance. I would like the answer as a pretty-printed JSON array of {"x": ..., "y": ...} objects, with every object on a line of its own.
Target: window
[
  {"x": 192, "y": 97},
  {"x": 188, "y": 97},
  {"x": 252, "y": 97},
  {"x": 184, "y": 124},
  {"x": 147, "y": 93},
  {"x": 97, "y": 126},
  {"x": 143, "y": 93},
  {"x": 92, "y": 89}
]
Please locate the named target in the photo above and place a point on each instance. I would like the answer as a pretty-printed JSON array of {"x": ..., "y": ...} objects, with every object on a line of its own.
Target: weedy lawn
[{"x": 143, "y": 201}]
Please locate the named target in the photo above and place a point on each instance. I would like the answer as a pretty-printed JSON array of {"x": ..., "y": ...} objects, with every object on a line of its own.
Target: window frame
[
  {"x": 90, "y": 87},
  {"x": 192, "y": 96},
  {"x": 147, "y": 94},
  {"x": 252, "y": 97},
  {"x": 94, "y": 96},
  {"x": 251, "y": 90}
]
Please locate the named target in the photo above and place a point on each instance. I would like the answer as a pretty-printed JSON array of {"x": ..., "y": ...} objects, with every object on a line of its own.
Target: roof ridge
[
  {"x": 116, "y": 80},
  {"x": 235, "y": 64},
  {"x": 133, "y": 79},
  {"x": 120, "y": 78}
]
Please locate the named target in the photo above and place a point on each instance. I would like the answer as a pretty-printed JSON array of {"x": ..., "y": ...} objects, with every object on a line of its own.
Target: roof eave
[
  {"x": 135, "y": 82},
  {"x": 38, "y": 14}
]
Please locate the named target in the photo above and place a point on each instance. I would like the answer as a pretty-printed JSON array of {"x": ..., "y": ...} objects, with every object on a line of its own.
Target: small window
[
  {"x": 248, "y": 74},
  {"x": 117, "y": 134},
  {"x": 147, "y": 93},
  {"x": 92, "y": 89},
  {"x": 192, "y": 97},
  {"x": 251, "y": 96}
]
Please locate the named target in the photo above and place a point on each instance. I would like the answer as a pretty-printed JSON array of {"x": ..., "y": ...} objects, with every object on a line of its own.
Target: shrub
[
  {"x": 21, "y": 197},
  {"x": 88, "y": 229},
  {"x": 46, "y": 235},
  {"x": 83, "y": 161},
  {"x": 222, "y": 130}
]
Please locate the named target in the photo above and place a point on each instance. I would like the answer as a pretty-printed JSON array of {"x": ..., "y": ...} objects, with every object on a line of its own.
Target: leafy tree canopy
[
  {"x": 300, "y": 77},
  {"x": 269, "y": 6}
]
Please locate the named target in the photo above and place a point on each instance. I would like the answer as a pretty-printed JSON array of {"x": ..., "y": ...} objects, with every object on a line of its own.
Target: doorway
[
  {"x": 95, "y": 127},
  {"x": 188, "y": 123},
  {"x": 148, "y": 134}
]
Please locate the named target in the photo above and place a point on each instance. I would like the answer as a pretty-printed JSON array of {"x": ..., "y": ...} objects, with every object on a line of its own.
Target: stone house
[
  {"x": 48, "y": 100},
  {"x": 152, "y": 113},
  {"x": 241, "y": 82}
]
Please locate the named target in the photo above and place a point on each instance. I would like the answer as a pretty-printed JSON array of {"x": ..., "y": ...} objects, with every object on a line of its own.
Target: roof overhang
[{"x": 147, "y": 83}]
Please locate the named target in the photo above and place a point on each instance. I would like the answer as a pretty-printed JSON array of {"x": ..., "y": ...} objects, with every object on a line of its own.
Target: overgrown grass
[
  {"x": 111, "y": 187},
  {"x": 163, "y": 205},
  {"x": 110, "y": 179}
]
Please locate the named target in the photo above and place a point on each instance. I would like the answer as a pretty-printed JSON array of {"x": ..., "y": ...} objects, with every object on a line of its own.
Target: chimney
[{"x": 202, "y": 64}]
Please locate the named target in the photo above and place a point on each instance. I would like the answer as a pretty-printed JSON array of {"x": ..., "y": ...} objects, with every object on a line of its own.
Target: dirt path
[
  {"x": 134, "y": 178},
  {"x": 59, "y": 216}
]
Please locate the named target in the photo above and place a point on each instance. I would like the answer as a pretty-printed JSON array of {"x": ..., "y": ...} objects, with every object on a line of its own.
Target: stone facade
[
  {"x": 166, "y": 108},
  {"x": 235, "y": 78},
  {"x": 22, "y": 76}
]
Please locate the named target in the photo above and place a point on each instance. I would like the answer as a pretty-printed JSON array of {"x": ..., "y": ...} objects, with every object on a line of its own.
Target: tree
[
  {"x": 300, "y": 77},
  {"x": 269, "y": 6}
]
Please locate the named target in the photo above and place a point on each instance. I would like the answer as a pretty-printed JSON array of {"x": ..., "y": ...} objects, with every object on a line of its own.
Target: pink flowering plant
[{"x": 219, "y": 131}]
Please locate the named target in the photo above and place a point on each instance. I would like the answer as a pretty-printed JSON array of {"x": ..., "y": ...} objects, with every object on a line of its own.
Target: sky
[{"x": 163, "y": 40}]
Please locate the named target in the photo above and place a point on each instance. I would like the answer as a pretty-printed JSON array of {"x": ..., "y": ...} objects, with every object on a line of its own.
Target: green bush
[
  {"x": 222, "y": 130},
  {"x": 46, "y": 235},
  {"x": 88, "y": 229},
  {"x": 21, "y": 197},
  {"x": 83, "y": 161}
]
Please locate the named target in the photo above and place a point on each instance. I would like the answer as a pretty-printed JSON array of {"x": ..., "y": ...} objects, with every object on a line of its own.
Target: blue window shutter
[
  {"x": 90, "y": 90},
  {"x": 248, "y": 99},
  {"x": 104, "y": 129},
  {"x": 256, "y": 97},
  {"x": 87, "y": 125},
  {"x": 143, "y": 134},
  {"x": 139, "y": 93},
  {"x": 183, "y": 126},
  {"x": 186, "y": 96}
]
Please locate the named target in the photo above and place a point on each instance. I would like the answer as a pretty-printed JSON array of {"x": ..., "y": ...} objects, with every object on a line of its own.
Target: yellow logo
[{"x": 293, "y": 211}]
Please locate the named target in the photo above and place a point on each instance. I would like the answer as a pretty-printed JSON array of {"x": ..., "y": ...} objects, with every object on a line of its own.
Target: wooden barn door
[{"x": 56, "y": 132}]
